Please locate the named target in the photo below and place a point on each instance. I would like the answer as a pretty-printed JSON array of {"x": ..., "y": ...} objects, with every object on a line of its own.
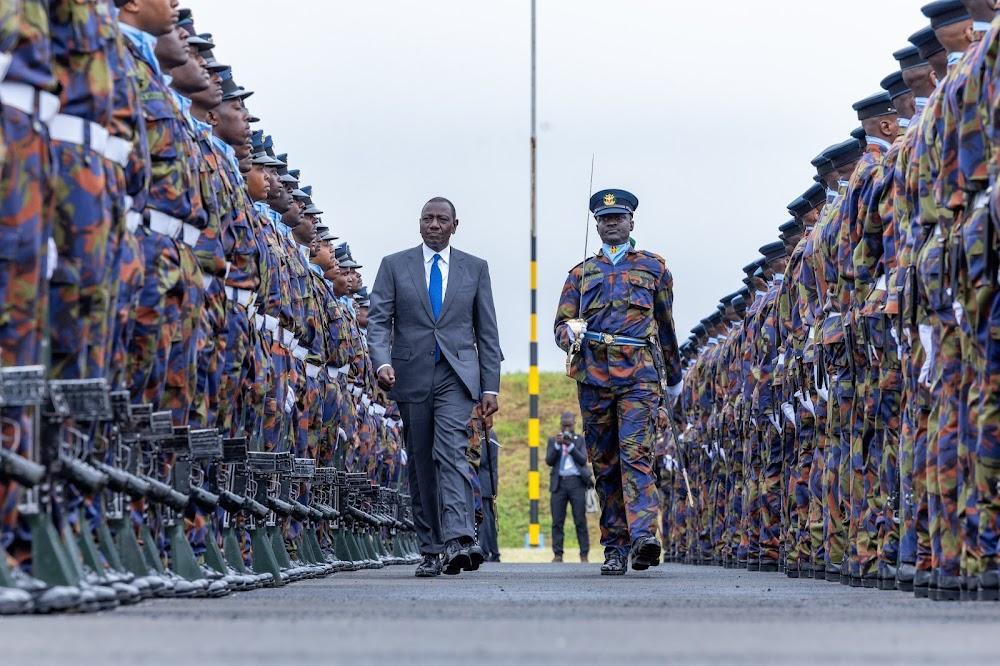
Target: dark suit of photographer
[{"x": 569, "y": 480}]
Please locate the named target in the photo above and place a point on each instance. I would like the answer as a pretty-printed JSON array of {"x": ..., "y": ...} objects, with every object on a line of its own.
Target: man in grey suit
[{"x": 432, "y": 336}]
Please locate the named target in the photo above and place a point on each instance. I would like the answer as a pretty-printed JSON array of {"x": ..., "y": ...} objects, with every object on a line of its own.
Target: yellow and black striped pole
[{"x": 534, "y": 429}]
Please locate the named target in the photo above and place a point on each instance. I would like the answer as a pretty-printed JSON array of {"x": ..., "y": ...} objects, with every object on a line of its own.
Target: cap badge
[{"x": 609, "y": 199}]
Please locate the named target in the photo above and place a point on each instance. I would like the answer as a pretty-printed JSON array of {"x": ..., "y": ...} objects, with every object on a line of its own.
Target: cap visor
[{"x": 612, "y": 210}]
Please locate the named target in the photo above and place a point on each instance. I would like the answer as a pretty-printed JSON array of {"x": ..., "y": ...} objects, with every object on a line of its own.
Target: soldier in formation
[
  {"x": 842, "y": 410},
  {"x": 187, "y": 404}
]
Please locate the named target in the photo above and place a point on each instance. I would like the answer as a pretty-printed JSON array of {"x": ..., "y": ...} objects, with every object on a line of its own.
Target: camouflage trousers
[
  {"x": 308, "y": 425},
  {"x": 157, "y": 318},
  {"x": 619, "y": 427},
  {"x": 837, "y": 452},
  {"x": 865, "y": 455},
  {"x": 330, "y": 410},
  {"x": 129, "y": 266},
  {"x": 276, "y": 421},
  {"x": 768, "y": 515},
  {"x": 235, "y": 366},
  {"x": 182, "y": 360},
  {"x": 210, "y": 343},
  {"x": 800, "y": 544},
  {"x": 25, "y": 230},
  {"x": 979, "y": 295},
  {"x": 943, "y": 481},
  {"x": 914, "y": 540},
  {"x": 78, "y": 289},
  {"x": 987, "y": 464}
]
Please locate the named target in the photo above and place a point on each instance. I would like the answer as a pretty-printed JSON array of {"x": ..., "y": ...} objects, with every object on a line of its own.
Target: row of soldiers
[
  {"x": 187, "y": 402},
  {"x": 843, "y": 409}
]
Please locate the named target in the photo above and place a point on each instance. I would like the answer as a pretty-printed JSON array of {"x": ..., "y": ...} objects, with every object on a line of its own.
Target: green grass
[{"x": 558, "y": 395}]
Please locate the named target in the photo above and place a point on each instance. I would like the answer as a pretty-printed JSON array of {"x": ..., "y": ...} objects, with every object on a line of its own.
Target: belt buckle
[{"x": 607, "y": 338}]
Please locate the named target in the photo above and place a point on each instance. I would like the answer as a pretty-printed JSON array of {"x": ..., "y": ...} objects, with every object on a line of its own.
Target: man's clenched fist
[{"x": 386, "y": 377}]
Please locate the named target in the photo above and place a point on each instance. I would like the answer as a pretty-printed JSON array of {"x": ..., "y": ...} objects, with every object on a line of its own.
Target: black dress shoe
[
  {"x": 456, "y": 558},
  {"x": 476, "y": 557},
  {"x": 921, "y": 584},
  {"x": 615, "y": 564},
  {"x": 949, "y": 588},
  {"x": 645, "y": 553},
  {"x": 429, "y": 567},
  {"x": 767, "y": 565},
  {"x": 989, "y": 586},
  {"x": 886, "y": 575}
]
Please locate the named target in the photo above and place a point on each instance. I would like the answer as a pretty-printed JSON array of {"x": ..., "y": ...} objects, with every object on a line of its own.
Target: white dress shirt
[{"x": 443, "y": 264}]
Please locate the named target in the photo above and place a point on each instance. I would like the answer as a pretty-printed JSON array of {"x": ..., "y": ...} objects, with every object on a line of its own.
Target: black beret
[
  {"x": 844, "y": 153},
  {"x": 715, "y": 318},
  {"x": 879, "y": 104},
  {"x": 725, "y": 300},
  {"x": 926, "y": 42},
  {"x": 740, "y": 303},
  {"x": 613, "y": 202},
  {"x": 909, "y": 57},
  {"x": 699, "y": 330},
  {"x": 799, "y": 207},
  {"x": 894, "y": 85},
  {"x": 822, "y": 163},
  {"x": 945, "y": 12},
  {"x": 229, "y": 88},
  {"x": 815, "y": 195},
  {"x": 772, "y": 251},
  {"x": 790, "y": 228}
]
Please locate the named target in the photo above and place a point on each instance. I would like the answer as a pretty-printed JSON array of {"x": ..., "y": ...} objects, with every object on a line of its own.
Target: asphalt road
[{"x": 523, "y": 614}]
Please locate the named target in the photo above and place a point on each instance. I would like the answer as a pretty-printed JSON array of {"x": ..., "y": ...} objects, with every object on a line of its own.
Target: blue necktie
[{"x": 435, "y": 291}]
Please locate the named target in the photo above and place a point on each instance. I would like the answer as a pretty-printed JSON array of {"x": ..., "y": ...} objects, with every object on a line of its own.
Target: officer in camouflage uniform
[{"x": 615, "y": 316}]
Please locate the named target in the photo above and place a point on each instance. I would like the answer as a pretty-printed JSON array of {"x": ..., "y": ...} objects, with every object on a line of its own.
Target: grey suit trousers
[{"x": 439, "y": 472}]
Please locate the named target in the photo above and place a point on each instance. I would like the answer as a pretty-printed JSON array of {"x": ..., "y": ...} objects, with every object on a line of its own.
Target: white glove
[
  {"x": 289, "y": 399},
  {"x": 895, "y": 336},
  {"x": 958, "y": 310},
  {"x": 774, "y": 421},
  {"x": 781, "y": 362},
  {"x": 576, "y": 328},
  {"x": 674, "y": 392},
  {"x": 823, "y": 393},
  {"x": 52, "y": 259},
  {"x": 927, "y": 342},
  {"x": 341, "y": 435},
  {"x": 403, "y": 457},
  {"x": 806, "y": 402},
  {"x": 789, "y": 412}
]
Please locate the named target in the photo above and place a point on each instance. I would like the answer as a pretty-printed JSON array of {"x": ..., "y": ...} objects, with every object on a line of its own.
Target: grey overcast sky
[{"x": 708, "y": 112}]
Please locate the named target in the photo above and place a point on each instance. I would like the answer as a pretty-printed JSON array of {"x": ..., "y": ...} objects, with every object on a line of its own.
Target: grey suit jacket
[{"x": 402, "y": 331}]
